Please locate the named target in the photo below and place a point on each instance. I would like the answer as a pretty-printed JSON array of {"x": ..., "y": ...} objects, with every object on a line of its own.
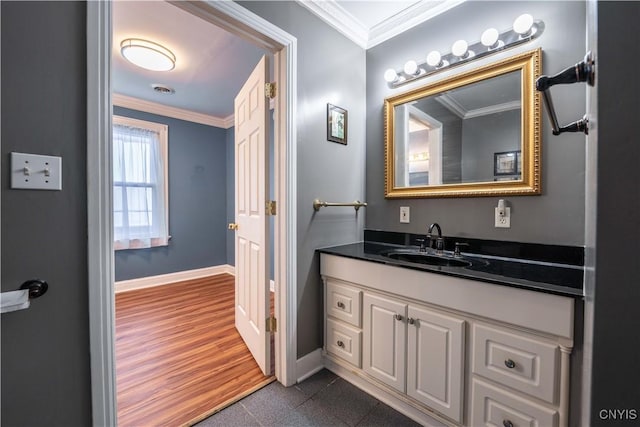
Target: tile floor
[{"x": 322, "y": 400}]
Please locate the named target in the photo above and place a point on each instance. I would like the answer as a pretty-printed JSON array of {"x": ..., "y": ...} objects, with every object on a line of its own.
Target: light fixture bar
[{"x": 437, "y": 62}]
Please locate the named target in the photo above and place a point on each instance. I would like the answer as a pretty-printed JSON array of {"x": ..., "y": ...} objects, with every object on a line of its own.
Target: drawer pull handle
[
  {"x": 398, "y": 317},
  {"x": 340, "y": 344},
  {"x": 507, "y": 423},
  {"x": 340, "y": 304},
  {"x": 509, "y": 364}
]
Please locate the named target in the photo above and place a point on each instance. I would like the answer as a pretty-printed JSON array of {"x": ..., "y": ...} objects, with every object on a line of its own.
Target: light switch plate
[
  {"x": 36, "y": 172},
  {"x": 405, "y": 214},
  {"x": 503, "y": 221}
]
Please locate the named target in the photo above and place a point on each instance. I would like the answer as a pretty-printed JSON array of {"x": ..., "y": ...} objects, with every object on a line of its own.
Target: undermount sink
[{"x": 426, "y": 258}]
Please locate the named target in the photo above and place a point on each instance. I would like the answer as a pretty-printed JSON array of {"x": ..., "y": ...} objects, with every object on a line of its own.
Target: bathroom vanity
[{"x": 451, "y": 345}]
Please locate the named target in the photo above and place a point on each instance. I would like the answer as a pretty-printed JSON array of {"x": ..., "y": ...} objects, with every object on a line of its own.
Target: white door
[
  {"x": 251, "y": 187},
  {"x": 384, "y": 339},
  {"x": 435, "y": 360}
]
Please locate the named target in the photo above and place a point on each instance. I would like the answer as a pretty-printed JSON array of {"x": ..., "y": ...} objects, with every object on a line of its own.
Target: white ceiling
[{"x": 212, "y": 64}]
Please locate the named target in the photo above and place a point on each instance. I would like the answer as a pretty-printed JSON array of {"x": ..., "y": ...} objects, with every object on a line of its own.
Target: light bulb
[
  {"x": 459, "y": 48},
  {"x": 390, "y": 75},
  {"x": 434, "y": 58},
  {"x": 411, "y": 68},
  {"x": 490, "y": 37},
  {"x": 523, "y": 23}
]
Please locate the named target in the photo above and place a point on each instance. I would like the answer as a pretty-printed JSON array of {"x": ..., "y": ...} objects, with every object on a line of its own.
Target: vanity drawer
[
  {"x": 492, "y": 406},
  {"x": 344, "y": 341},
  {"x": 518, "y": 361},
  {"x": 344, "y": 302}
]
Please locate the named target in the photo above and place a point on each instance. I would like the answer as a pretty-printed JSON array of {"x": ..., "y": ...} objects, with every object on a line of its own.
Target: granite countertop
[{"x": 549, "y": 277}]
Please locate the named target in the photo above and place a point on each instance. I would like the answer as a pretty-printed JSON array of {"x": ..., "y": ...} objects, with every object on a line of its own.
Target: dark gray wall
[
  {"x": 557, "y": 216},
  {"x": 197, "y": 202},
  {"x": 615, "y": 372},
  {"x": 484, "y": 136},
  {"x": 45, "y": 349},
  {"x": 331, "y": 69}
]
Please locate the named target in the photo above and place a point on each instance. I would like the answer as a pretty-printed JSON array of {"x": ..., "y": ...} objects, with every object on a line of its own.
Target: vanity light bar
[{"x": 524, "y": 29}]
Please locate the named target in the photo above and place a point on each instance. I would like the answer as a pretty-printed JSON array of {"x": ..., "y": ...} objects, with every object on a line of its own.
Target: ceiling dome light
[
  {"x": 460, "y": 48},
  {"x": 390, "y": 75},
  {"x": 411, "y": 68},
  {"x": 490, "y": 37},
  {"x": 148, "y": 55},
  {"x": 522, "y": 25}
]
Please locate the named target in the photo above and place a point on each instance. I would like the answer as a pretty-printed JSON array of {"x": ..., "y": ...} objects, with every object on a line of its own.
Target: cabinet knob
[
  {"x": 398, "y": 317},
  {"x": 509, "y": 363},
  {"x": 411, "y": 321},
  {"x": 340, "y": 344},
  {"x": 340, "y": 304},
  {"x": 507, "y": 423}
]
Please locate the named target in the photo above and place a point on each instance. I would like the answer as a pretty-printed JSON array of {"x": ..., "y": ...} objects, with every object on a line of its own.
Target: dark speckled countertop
[{"x": 537, "y": 275}]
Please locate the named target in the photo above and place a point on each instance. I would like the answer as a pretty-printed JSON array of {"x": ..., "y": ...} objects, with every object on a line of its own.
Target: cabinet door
[
  {"x": 384, "y": 340},
  {"x": 435, "y": 362}
]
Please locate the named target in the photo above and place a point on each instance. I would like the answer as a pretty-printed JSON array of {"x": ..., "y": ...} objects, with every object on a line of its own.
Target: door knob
[{"x": 233, "y": 226}]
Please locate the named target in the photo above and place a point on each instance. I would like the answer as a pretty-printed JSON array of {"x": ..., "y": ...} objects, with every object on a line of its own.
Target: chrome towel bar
[{"x": 317, "y": 204}]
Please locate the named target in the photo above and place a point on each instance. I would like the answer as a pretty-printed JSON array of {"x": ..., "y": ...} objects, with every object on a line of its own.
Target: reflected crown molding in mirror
[
  {"x": 441, "y": 139},
  {"x": 524, "y": 29}
]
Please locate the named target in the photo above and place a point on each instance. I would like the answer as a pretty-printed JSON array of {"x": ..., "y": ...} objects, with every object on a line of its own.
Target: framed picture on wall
[
  {"x": 505, "y": 163},
  {"x": 337, "y": 124}
]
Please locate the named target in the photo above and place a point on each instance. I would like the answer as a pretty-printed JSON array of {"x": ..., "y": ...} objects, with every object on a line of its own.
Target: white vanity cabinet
[{"x": 448, "y": 351}]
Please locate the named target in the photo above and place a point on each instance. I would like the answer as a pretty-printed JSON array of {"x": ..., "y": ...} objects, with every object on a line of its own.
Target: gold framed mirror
[{"x": 469, "y": 135}]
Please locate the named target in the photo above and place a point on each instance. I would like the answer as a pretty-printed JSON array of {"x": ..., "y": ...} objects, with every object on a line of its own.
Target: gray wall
[
  {"x": 331, "y": 69},
  {"x": 615, "y": 372},
  {"x": 557, "y": 216},
  {"x": 45, "y": 349},
  {"x": 484, "y": 136},
  {"x": 231, "y": 249},
  {"x": 197, "y": 202}
]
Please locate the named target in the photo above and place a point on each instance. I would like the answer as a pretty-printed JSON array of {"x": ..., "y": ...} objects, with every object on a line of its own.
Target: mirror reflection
[{"x": 468, "y": 134}]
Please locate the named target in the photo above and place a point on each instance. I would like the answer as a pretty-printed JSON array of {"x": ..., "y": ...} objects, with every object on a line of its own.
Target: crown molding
[
  {"x": 337, "y": 17},
  {"x": 174, "y": 112},
  {"x": 410, "y": 17},
  {"x": 456, "y": 108}
]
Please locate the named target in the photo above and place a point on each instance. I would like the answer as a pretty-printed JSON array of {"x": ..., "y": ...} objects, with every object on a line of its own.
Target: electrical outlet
[
  {"x": 405, "y": 214},
  {"x": 36, "y": 172},
  {"x": 503, "y": 221}
]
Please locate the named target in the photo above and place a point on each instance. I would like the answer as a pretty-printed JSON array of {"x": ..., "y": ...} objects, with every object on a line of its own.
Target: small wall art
[{"x": 337, "y": 124}]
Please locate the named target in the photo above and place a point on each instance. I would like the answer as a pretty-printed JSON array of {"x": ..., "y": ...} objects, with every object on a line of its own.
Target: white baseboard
[
  {"x": 165, "y": 279},
  {"x": 309, "y": 364},
  {"x": 272, "y": 286}
]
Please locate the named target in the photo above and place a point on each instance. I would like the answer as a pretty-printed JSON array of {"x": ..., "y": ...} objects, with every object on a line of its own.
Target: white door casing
[{"x": 251, "y": 238}]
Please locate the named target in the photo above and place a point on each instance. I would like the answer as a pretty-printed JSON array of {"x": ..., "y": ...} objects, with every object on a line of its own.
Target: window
[{"x": 140, "y": 184}]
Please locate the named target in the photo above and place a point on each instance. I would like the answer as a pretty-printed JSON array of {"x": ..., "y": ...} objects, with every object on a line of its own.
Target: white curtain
[{"x": 138, "y": 191}]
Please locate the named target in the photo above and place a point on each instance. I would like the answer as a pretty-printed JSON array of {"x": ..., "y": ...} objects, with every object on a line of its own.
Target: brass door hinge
[
  {"x": 272, "y": 324},
  {"x": 270, "y": 90},
  {"x": 271, "y": 207}
]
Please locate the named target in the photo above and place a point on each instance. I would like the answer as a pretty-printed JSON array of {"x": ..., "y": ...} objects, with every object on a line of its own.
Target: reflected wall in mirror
[{"x": 472, "y": 134}]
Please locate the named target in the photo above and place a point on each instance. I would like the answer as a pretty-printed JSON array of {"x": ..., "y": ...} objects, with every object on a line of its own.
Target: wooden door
[
  {"x": 251, "y": 242},
  {"x": 435, "y": 360},
  {"x": 384, "y": 341}
]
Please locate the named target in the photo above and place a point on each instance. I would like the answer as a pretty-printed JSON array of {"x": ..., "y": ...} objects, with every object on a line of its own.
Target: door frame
[{"x": 240, "y": 21}]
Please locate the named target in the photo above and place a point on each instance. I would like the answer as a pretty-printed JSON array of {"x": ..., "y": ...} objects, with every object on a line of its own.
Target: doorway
[{"x": 234, "y": 18}]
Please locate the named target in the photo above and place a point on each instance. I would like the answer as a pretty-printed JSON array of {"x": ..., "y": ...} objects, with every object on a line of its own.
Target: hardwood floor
[{"x": 178, "y": 354}]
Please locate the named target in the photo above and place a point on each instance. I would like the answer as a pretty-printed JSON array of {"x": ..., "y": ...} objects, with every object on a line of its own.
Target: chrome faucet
[{"x": 439, "y": 240}]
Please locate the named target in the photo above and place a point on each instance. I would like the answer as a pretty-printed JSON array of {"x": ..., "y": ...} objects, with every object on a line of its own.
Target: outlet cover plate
[
  {"x": 405, "y": 214},
  {"x": 504, "y": 221},
  {"x": 36, "y": 172}
]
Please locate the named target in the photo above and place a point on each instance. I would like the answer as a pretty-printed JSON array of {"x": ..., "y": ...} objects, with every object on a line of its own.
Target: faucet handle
[
  {"x": 456, "y": 251},
  {"x": 422, "y": 247}
]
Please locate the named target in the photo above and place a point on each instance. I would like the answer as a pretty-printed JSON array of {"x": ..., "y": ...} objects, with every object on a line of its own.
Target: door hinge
[
  {"x": 272, "y": 324},
  {"x": 271, "y": 207},
  {"x": 270, "y": 90}
]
